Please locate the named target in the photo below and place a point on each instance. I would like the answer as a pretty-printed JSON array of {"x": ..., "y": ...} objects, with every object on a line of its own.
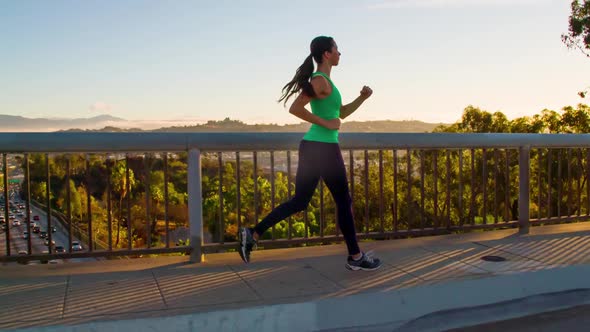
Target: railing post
[
  {"x": 524, "y": 163},
  {"x": 195, "y": 206}
]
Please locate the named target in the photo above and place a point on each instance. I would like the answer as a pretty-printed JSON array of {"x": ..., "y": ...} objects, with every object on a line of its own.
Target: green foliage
[
  {"x": 475, "y": 120},
  {"x": 578, "y": 35},
  {"x": 75, "y": 199},
  {"x": 411, "y": 190}
]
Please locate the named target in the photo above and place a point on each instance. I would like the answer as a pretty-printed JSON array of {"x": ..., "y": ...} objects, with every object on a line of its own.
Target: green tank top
[{"x": 327, "y": 108}]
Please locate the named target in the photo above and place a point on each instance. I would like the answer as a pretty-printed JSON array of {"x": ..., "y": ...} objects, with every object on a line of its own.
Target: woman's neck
[{"x": 325, "y": 68}]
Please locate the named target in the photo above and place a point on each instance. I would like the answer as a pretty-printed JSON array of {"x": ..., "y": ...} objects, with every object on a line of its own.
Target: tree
[
  {"x": 75, "y": 199},
  {"x": 119, "y": 185},
  {"x": 38, "y": 191},
  {"x": 578, "y": 35}
]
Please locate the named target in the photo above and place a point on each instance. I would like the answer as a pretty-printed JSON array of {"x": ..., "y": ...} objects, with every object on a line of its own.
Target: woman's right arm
[{"x": 298, "y": 109}]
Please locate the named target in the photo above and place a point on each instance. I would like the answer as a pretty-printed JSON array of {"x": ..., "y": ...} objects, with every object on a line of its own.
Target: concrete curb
[{"x": 433, "y": 307}]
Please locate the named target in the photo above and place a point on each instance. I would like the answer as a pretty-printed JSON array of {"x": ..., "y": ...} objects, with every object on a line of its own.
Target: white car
[
  {"x": 16, "y": 222},
  {"x": 76, "y": 246}
]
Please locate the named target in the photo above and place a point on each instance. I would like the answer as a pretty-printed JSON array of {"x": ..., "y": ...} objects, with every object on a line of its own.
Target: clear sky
[{"x": 206, "y": 60}]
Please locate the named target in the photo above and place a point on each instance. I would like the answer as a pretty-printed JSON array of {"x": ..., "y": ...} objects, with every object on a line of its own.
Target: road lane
[{"x": 60, "y": 237}]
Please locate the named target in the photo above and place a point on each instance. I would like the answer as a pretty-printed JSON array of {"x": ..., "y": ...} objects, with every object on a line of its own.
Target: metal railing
[{"x": 422, "y": 184}]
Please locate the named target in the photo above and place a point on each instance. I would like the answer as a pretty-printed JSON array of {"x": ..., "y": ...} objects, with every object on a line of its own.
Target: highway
[{"x": 19, "y": 244}]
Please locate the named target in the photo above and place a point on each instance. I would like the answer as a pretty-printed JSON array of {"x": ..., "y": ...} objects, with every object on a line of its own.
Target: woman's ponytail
[{"x": 300, "y": 81}]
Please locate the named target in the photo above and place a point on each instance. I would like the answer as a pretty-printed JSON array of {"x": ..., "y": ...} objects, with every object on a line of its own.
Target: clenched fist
[{"x": 366, "y": 92}]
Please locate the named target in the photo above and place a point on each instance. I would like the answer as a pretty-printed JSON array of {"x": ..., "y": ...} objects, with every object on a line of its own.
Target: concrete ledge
[
  {"x": 456, "y": 318},
  {"x": 444, "y": 305}
]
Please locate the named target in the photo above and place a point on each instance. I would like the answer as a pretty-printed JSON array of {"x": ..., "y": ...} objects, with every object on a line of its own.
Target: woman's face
[{"x": 333, "y": 55}]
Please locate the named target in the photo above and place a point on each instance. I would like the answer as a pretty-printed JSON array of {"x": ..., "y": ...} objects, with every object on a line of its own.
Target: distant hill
[
  {"x": 108, "y": 123},
  {"x": 353, "y": 126},
  {"x": 384, "y": 126},
  {"x": 12, "y": 123}
]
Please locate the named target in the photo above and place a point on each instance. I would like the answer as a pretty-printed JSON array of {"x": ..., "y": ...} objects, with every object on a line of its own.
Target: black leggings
[{"x": 318, "y": 160}]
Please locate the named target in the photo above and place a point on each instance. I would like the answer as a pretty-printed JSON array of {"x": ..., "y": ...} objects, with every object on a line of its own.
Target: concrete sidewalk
[{"x": 424, "y": 283}]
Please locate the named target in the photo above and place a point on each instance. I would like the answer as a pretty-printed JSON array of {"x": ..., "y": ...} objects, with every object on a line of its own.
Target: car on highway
[
  {"x": 47, "y": 242},
  {"x": 36, "y": 218},
  {"x": 60, "y": 249},
  {"x": 53, "y": 229},
  {"x": 16, "y": 222},
  {"x": 43, "y": 234},
  {"x": 76, "y": 246},
  {"x": 36, "y": 229},
  {"x": 25, "y": 235}
]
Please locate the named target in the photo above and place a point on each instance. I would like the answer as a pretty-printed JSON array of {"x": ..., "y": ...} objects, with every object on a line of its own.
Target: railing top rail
[{"x": 236, "y": 141}]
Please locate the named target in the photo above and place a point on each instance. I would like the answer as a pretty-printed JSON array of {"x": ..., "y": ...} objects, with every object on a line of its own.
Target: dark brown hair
[{"x": 301, "y": 80}]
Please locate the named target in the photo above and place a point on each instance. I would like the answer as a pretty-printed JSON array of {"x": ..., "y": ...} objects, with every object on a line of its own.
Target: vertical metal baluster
[
  {"x": 549, "y": 182},
  {"x": 587, "y": 181},
  {"x": 147, "y": 199},
  {"x": 559, "y": 175},
  {"x": 305, "y": 217},
  {"x": 524, "y": 154},
  {"x": 238, "y": 192},
  {"x": 289, "y": 192},
  {"x": 579, "y": 177},
  {"x": 395, "y": 221},
  {"x": 322, "y": 216},
  {"x": 422, "y": 208},
  {"x": 48, "y": 202},
  {"x": 484, "y": 181},
  {"x": 435, "y": 187},
  {"x": 68, "y": 202},
  {"x": 496, "y": 170},
  {"x": 460, "y": 210},
  {"x": 367, "y": 192},
  {"x": 255, "y": 175},
  {"x": 28, "y": 203},
  {"x": 91, "y": 242},
  {"x": 109, "y": 203},
  {"x": 306, "y": 222},
  {"x": 539, "y": 181},
  {"x": 166, "y": 200},
  {"x": 472, "y": 203},
  {"x": 381, "y": 217},
  {"x": 128, "y": 189},
  {"x": 220, "y": 194},
  {"x": 448, "y": 194},
  {"x": 507, "y": 190},
  {"x": 272, "y": 187},
  {"x": 6, "y": 205},
  {"x": 336, "y": 225},
  {"x": 409, "y": 188},
  {"x": 351, "y": 159},
  {"x": 569, "y": 182}
]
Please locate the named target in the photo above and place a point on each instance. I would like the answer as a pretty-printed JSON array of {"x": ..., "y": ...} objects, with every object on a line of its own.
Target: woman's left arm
[{"x": 348, "y": 109}]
